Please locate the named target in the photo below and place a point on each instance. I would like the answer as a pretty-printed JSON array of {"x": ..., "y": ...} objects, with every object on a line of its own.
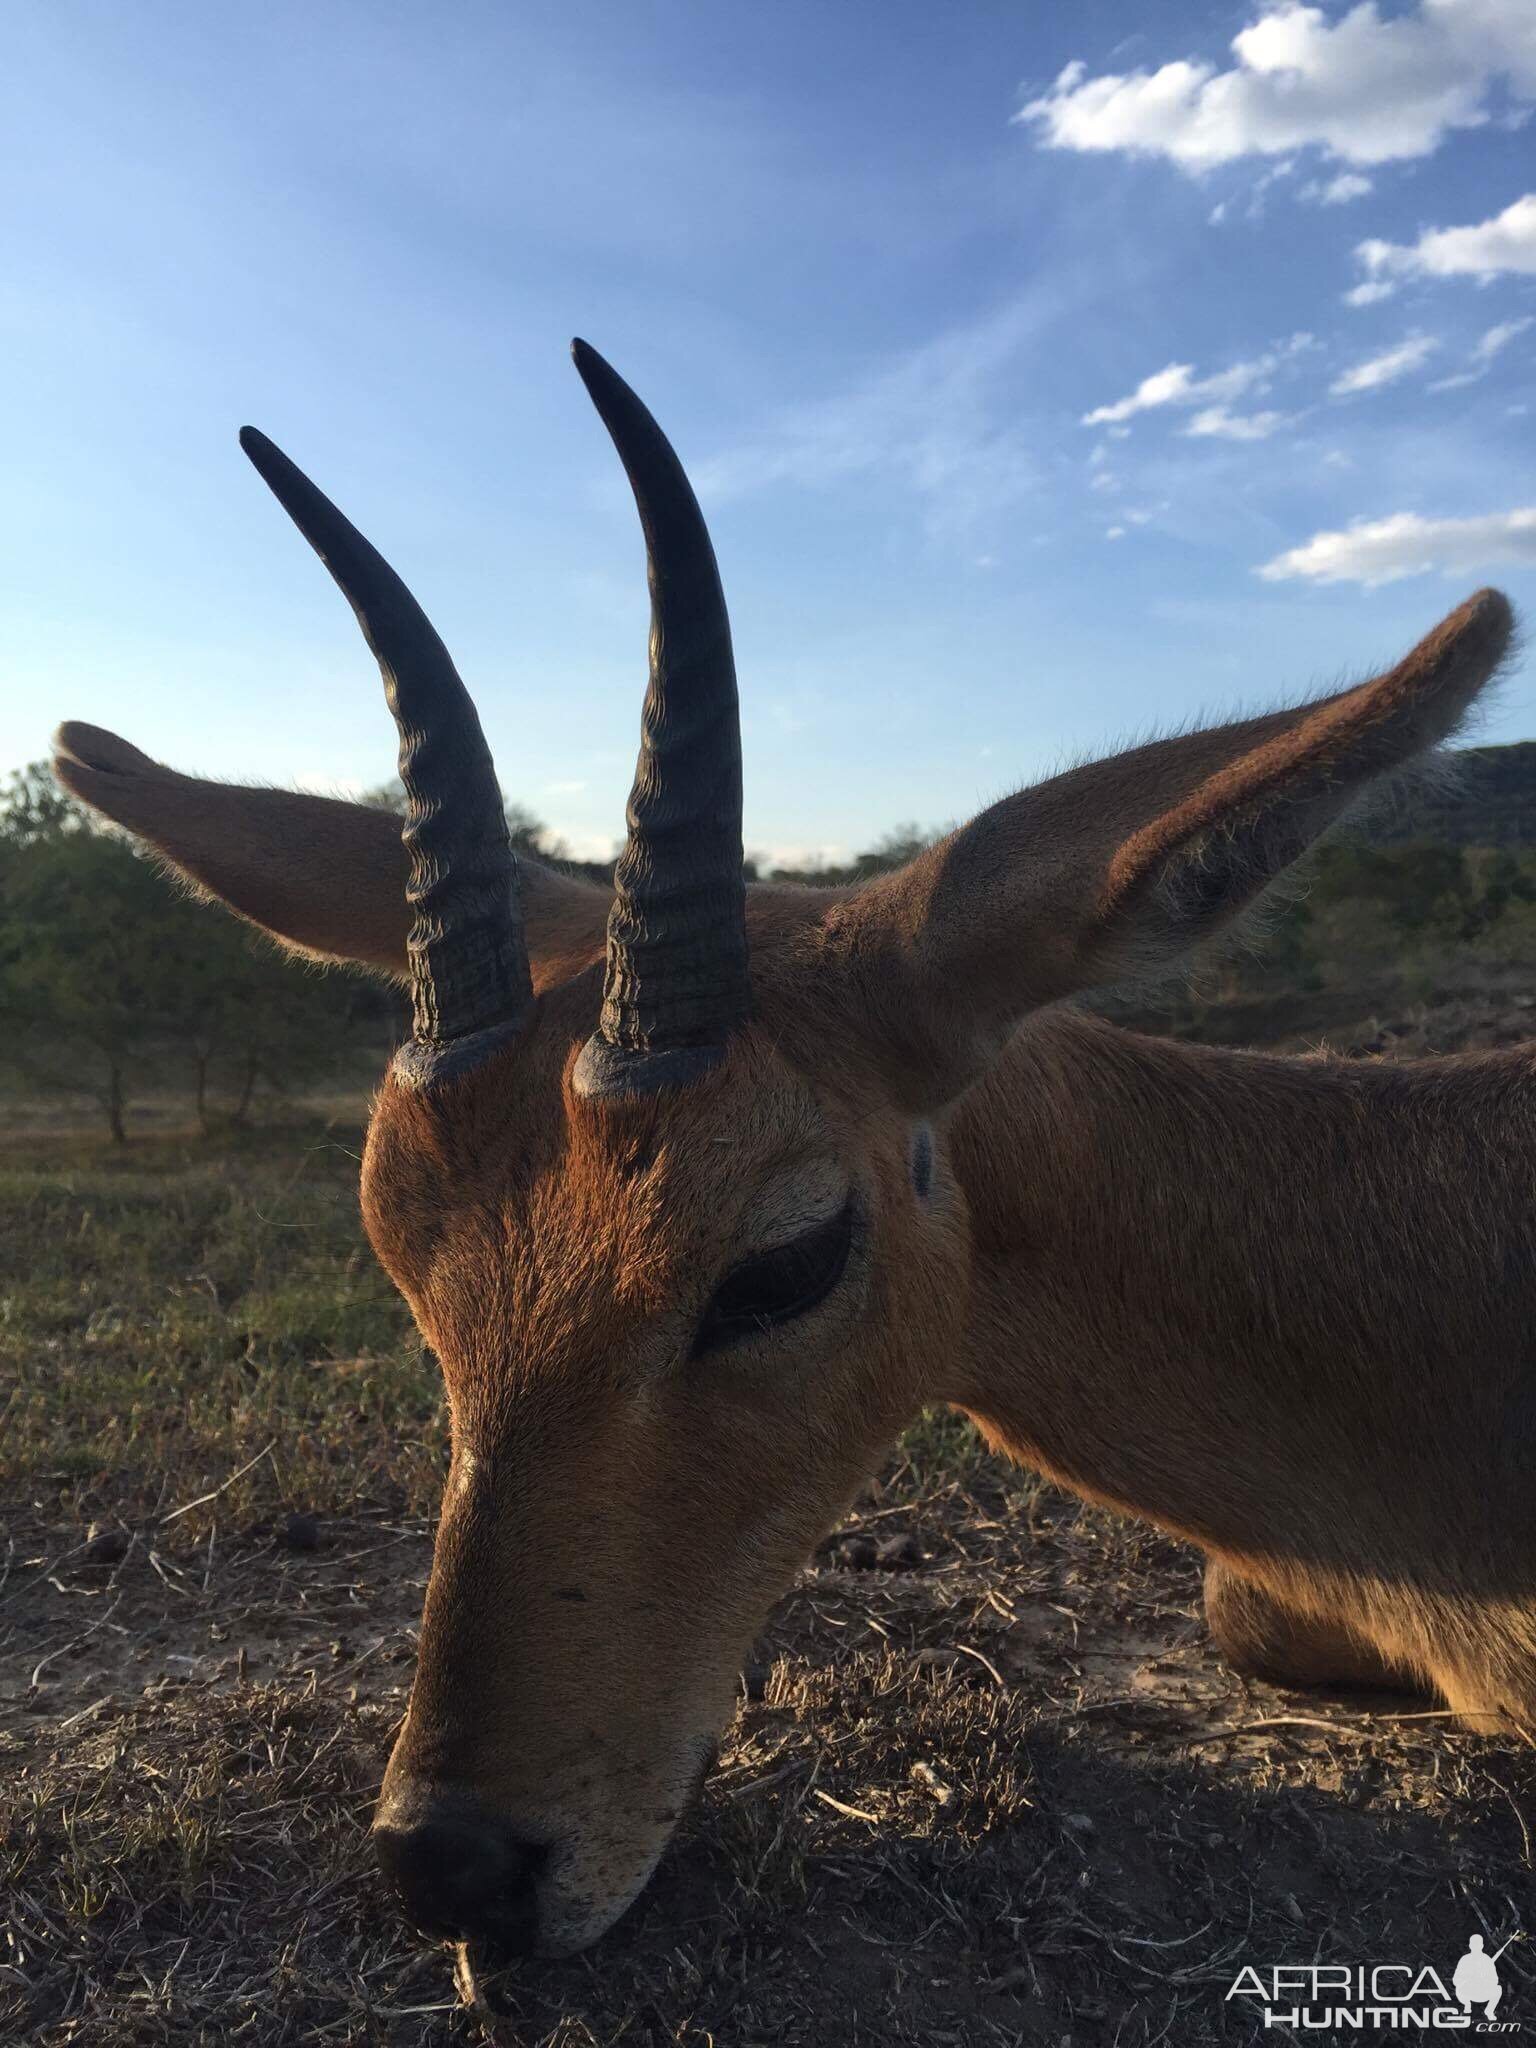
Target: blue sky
[{"x": 874, "y": 267}]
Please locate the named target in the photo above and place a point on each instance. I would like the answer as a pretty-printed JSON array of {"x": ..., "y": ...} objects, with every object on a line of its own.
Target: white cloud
[
  {"x": 1178, "y": 385},
  {"x": 1383, "y": 550},
  {"x": 1369, "y": 294},
  {"x": 1114, "y": 533},
  {"x": 1365, "y": 88},
  {"x": 1163, "y": 387},
  {"x": 1339, "y": 191},
  {"x": 1216, "y": 422},
  {"x": 1397, "y": 362},
  {"x": 1498, "y": 338},
  {"x": 1254, "y": 210},
  {"x": 1490, "y": 248},
  {"x": 1493, "y": 343}
]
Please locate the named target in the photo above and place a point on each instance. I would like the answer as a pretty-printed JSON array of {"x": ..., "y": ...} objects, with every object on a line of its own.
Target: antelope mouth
[
  {"x": 463, "y": 1872},
  {"x": 459, "y": 1872}
]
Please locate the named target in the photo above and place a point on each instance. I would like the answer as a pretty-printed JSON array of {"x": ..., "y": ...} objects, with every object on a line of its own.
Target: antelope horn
[
  {"x": 470, "y": 984},
  {"x": 676, "y": 982}
]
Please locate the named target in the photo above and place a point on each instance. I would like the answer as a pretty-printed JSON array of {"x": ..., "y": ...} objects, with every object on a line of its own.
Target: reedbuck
[{"x": 700, "y": 1192}]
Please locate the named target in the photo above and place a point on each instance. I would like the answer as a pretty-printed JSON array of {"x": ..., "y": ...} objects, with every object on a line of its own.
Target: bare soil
[{"x": 990, "y": 1785}]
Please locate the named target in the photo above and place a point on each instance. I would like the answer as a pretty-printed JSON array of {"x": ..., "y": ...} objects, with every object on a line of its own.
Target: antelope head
[{"x": 664, "y": 1179}]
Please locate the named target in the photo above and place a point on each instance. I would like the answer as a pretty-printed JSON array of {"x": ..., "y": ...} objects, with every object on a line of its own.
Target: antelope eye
[{"x": 777, "y": 1285}]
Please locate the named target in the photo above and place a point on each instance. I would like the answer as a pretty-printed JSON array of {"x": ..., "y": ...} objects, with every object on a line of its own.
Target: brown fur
[{"x": 1280, "y": 1307}]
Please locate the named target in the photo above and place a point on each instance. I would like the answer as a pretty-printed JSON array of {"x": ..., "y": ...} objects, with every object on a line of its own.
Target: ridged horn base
[{"x": 607, "y": 1070}]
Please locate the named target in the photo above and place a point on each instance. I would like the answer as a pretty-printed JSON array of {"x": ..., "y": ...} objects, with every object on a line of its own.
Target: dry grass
[{"x": 988, "y": 1782}]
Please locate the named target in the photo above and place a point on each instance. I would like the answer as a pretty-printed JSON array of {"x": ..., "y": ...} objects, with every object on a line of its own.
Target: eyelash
[{"x": 777, "y": 1285}]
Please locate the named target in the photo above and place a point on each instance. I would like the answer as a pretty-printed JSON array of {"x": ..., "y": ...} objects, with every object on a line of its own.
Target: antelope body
[{"x": 701, "y": 1193}]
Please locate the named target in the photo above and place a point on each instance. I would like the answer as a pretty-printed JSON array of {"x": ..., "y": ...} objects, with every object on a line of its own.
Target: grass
[
  {"x": 988, "y": 1785},
  {"x": 167, "y": 1312}
]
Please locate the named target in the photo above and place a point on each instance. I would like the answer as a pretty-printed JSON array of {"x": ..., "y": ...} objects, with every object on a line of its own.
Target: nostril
[{"x": 459, "y": 1876}]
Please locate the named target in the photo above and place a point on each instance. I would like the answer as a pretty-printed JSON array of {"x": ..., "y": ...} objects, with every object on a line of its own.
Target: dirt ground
[{"x": 988, "y": 1783}]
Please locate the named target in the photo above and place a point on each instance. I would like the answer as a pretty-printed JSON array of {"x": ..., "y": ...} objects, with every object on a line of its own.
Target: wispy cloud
[
  {"x": 1219, "y": 424},
  {"x": 1253, "y": 207},
  {"x": 1384, "y": 550},
  {"x": 935, "y": 420},
  {"x": 1498, "y": 338},
  {"x": 1339, "y": 191},
  {"x": 1371, "y": 375},
  {"x": 1487, "y": 351},
  {"x": 1177, "y": 385},
  {"x": 1365, "y": 88},
  {"x": 1506, "y": 244}
]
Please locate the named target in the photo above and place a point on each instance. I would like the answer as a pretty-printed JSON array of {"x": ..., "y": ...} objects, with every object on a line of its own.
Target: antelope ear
[
  {"x": 1120, "y": 867},
  {"x": 323, "y": 877}
]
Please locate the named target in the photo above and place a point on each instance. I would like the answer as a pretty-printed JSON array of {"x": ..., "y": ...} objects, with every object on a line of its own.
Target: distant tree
[
  {"x": 33, "y": 808},
  {"x": 241, "y": 1015},
  {"x": 82, "y": 971},
  {"x": 108, "y": 975},
  {"x": 893, "y": 850},
  {"x": 528, "y": 833}
]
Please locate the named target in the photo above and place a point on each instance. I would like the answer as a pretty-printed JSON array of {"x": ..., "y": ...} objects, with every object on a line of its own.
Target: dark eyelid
[{"x": 776, "y": 1285}]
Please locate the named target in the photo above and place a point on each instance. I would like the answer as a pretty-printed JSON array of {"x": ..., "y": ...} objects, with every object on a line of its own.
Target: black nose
[{"x": 464, "y": 1876}]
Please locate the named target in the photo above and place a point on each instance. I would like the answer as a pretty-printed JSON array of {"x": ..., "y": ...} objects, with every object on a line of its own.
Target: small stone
[
  {"x": 300, "y": 1532},
  {"x": 1080, "y": 1823},
  {"x": 104, "y": 1544},
  {"x": 899, "y": 1553},
  {"x": 1009, "y": 1980},
  {"x": 939, "y": 1660}
]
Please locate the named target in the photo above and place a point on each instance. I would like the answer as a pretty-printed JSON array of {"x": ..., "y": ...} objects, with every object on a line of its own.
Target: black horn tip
[
  {"x": 615, "y": 401},
  {"x": 282, "y": 476},
  {"x": 256, "y": 445}
]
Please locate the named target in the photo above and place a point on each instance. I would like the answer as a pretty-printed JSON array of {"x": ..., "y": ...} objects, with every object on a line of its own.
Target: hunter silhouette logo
[
  {"x": 1476, "y": 1981},
  {"x": 1349, "y": 1997}
]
